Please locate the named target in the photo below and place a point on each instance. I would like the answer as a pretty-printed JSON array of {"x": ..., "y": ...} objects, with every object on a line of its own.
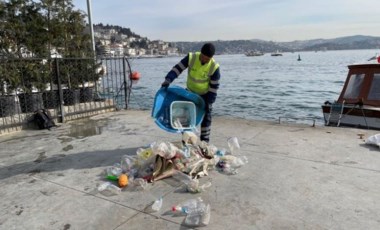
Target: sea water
[{"x": 262, "y": 87}]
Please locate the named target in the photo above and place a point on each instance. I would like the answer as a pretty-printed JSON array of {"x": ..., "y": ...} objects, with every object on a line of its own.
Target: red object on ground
[
  {"x": 135, "y": 75},
  {"x": 378, "y": 59}
]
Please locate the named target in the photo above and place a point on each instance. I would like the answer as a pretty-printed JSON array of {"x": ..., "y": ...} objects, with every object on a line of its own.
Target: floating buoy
[
  {"x": 299, "y": 58},
  {"x": 135, "y": 75}
]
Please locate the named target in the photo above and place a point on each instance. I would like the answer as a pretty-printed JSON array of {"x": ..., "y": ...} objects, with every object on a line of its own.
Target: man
[{"x": 202, "y": 79}]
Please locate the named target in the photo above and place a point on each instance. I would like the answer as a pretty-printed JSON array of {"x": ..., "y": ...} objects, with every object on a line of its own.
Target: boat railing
[{"x": 336, "y": 113}]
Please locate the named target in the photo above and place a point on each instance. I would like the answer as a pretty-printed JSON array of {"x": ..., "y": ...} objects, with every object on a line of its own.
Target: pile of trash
[{"x": 185, "y": 161}]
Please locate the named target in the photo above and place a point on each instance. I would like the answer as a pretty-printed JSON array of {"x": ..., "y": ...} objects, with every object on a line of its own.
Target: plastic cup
[{"x": 233, "y": 144}]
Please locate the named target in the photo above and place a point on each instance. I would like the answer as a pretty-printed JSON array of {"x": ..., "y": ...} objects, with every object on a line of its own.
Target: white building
[
  {"x": 130, "y": 51},
  {"x": 117, "y": 50}
]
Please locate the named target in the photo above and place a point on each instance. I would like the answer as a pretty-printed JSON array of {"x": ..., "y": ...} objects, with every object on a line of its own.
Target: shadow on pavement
[{"x": 62, "y": 162}]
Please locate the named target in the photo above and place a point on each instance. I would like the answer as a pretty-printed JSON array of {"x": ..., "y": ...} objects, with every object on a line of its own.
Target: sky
[{"x": 210, "y": 20}]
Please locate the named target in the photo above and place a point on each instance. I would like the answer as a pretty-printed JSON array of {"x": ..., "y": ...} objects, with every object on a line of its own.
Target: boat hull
[{"x": 355, "y": 116}]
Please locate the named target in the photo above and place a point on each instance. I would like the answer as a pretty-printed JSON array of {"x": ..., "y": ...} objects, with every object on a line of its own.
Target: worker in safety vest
[{"x": 202, "y": 78}]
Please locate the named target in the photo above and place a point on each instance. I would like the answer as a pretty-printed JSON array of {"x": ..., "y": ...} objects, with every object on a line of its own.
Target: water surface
[{"x": 262, "y": 87}]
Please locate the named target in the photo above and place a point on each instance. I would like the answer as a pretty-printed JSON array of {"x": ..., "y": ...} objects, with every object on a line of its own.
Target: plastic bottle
[
  {"x": 197, "y": 212},
  {"x": 220, "y": 152},
  {"x": 109, "y": 189},
  {"x": 178, "y": 209},
  {"x": 157, "y": 204},
  {"x": 113, "y": 172},
  {"x": 200, "y": 216},
  {"x": 127, "y": 163}
]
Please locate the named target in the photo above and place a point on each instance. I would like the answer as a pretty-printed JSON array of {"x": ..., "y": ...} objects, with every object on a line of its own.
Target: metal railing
[{"x": 69, "y": 88}]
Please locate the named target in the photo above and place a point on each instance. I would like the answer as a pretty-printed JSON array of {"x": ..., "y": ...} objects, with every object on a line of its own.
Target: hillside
[{"x": 242, "y": 46}]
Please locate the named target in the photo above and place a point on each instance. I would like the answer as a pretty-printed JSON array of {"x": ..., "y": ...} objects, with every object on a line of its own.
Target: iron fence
[{"x": 68, "y": 88}]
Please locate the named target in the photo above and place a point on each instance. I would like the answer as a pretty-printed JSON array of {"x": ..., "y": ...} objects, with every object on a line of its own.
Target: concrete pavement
[{"x": 298, "y": 177}]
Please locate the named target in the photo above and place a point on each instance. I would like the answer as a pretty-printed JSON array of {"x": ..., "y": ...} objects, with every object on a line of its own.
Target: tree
[
  {"x": 39, "y": 27},
  {"x": 19, "y": 18}
]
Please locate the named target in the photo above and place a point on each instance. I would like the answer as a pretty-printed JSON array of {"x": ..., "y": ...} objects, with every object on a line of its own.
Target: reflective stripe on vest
[{"x": 198, "y": 77}]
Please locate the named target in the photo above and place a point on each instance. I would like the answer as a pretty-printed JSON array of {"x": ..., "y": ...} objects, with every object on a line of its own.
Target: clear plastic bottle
[
  {"x": 109, "y": 189},
  {"x": 200, "y": 216},
  {"x": 186, "y": 205},
  {"x": 113, "y": 172},
  {"x": 197, "y": 212},
  {"x": 157, "y": 204},
  {"x": 178, "y": 209}
]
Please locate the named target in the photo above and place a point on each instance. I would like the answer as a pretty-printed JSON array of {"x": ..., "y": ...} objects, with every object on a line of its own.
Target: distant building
[
  {"x": 105, "y": 50},
  {"x": 130, "y": 51},
  {"x": 117, "y": 50},
  {"x": 171, "y": 51}
]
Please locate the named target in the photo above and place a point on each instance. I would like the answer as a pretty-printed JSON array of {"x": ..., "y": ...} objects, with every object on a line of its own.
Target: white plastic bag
[
  {"x": 165, "y": 149},
  {"x": 233, "y": 144},
  {"x": 374, "y": 140}
]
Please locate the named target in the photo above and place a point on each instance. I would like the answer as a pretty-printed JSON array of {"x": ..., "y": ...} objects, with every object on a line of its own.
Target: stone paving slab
[{"x": 298, "y": 177}]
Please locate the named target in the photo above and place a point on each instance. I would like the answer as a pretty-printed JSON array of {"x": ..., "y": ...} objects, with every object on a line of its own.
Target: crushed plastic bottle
[
  {"x": 157, "y": 204},
  {"x": 197, "y": 212},
  {"x": 186, "y": 205},
  {"x": 109, "y": 189},
  {"x": 200, "y": 216},
  {"x": 127, "y": 163},
  {"x": 113, "y": 172}
]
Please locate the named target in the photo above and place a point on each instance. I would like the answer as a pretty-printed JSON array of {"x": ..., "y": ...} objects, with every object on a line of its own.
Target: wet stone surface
[{"x": 87, "y": 127}]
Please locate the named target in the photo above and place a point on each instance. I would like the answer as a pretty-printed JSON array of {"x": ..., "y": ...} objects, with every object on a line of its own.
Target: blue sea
[{"x": 262, "y": 87}]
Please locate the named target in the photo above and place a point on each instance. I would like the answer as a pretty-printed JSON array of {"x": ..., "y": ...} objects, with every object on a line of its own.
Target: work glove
[{"x": 165, "y": 84}]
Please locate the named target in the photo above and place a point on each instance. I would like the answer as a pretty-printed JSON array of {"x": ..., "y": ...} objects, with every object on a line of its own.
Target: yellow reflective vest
[{"x": 198, "y": 77}]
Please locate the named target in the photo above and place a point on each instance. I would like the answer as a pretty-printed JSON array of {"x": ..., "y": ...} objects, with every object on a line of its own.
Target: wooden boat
[
  {"x": 163, "y": 102},
  {"x": 359, "y": 102}
]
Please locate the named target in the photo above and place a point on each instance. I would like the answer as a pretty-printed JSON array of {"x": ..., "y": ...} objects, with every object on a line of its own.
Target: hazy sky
[{"x": 276, "y": 20}]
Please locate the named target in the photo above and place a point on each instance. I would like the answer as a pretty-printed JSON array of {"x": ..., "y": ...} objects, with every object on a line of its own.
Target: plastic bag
[
  {"x": 192, "y": 185},
  {"x": 229, "y": 163},
  {"x": 165, "y": 149},
  {"x": 373, "y": 140},
  {"x": 138, "y": 184},
  {"x": 189, "y": 138}
]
